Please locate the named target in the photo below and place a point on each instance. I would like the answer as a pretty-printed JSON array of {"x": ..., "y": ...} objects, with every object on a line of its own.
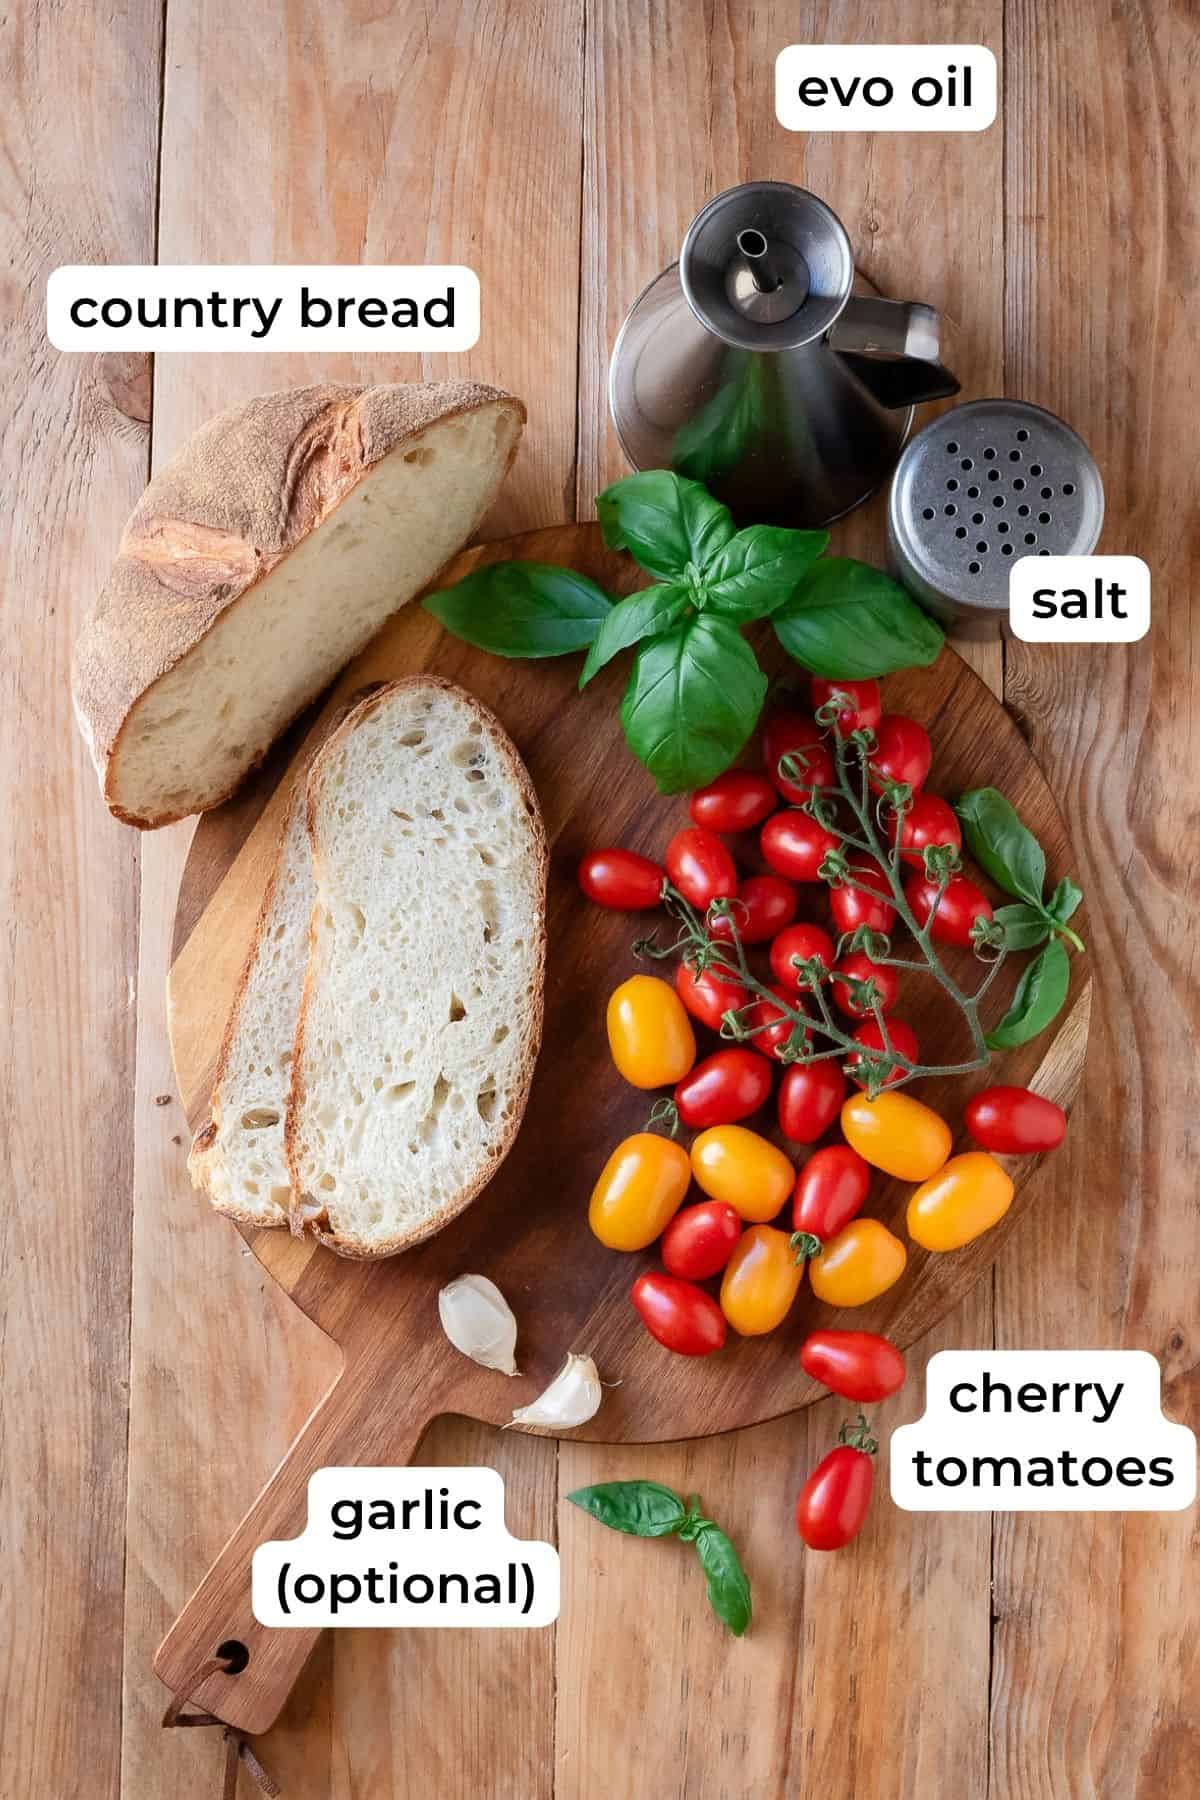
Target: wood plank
[
  {"x": 404, "y": 134},
  {"x": 1097, "y": 1644},
  {"x": 76, "y": 185}
]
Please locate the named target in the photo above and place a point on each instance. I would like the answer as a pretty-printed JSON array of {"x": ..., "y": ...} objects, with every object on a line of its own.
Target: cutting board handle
[{"x": 362, "y": 1420}]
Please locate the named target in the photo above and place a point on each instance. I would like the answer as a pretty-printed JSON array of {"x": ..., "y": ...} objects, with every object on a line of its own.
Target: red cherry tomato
[
  {"x": 834, "y": 1500},
  {"x": 902, "y": 1038},
  {"x": 793, "y": 734},
  {"x": 794, "y": 844},
  {"x": 681, "y": 1316},
  {"x": 810, "y": 1098},
  {"x": 777, "y": 1025},
  {"x": 763, "y": 906},
  {"x": 708, "y": 996},
  {"x": 858, "y": 1365},
  {"x": 857, "y": 966},
  {"x": 621, "y": 879},
  {"x": 865, "y": 710},
  {"x": 902, "y": 752},
  {"x": 928, "y": 821},
  {"x": 957, "y": 910},
  {"x": 723, "y": 1089},
  {"x": 1014, "y": 1121},
  {"x": 799, "y": 943},
  {"x": 831, "y": 1189},
  {"x": 736, "y": 801},
  {"x": 851, "y": 907},
  {"x": 700, "y": 1240},
  {"x": 701, "y": 867}
]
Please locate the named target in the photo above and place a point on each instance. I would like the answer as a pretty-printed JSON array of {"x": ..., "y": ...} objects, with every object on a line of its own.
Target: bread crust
[
  {"x": 243, "y": 491},
  {"x": 352, "y": 1245}
]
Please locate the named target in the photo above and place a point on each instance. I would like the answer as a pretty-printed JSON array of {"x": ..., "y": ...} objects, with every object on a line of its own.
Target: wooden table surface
[{"x": 152, "y": 1374}]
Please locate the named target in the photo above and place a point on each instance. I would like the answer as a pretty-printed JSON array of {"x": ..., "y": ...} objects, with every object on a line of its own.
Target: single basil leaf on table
[
  {"x": 693, "y": 699},
  {"x": 757, "y": 571},
  {"x": 1024, "y": 926},
  {"x": 1064, "y": 900},
  {"x": 1038, "y": 1000},
  {"x": 522, "y": 609},
  {"x": 1003, "y": 847},
  {"x": 640, "y": 1508},
  {"x": 848, "y": 622},
  {"x": 728, "y": 1587},
  {"x": 642, "y": 615},
  {"x": 664, "y": 521}
]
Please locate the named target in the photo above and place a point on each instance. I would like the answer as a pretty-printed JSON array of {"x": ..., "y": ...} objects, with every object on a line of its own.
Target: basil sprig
[
  {"x": 1007, "y": 850},
  {"x": 648, "y": 1509}
]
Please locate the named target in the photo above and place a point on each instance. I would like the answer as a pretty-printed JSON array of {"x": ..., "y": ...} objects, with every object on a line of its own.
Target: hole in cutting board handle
[{"x": 235, "y": 1653}]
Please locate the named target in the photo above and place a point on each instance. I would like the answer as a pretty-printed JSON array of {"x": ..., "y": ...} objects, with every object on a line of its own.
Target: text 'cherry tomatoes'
[
  {"x": 863, "y": 1261},
  {"x": 723, "y": 1089},
  {"x": 649, "y": 1032},
  {"x": 902, "y": 752},
  {"x": 956, "y": 912},
  {"x": 928, "y": 822},
  {"x": 851, "y": 906},
  {"x": 834, "y": 1500},
  {"x": 736, "y": 801},
  {"x": 966, "y": 1197},
  {"x": 743, "y": 1169},
  {"x": 760, "y": 1282},
  {"x": 809, "y": 1097},
  {"x": 858, "y": 1365},
  {"x": 700, "y": 1240},
  {"x": 865, "y": 707},
  {"x": 773, "y": 1025},
  {"x": 902, "y": 1039},
  {"x": 793, "y": 735},
  {"x": 621, "y": 879},
  {"x": 897, "y": 1134},
  {"x": 794, "y": 844},
  {"x": 831, "y": 1189},
  {"x": 1014, "y": 1121},
  {"x": 640, "y": 1189},
  {"x": 701, "y": 867},
  {"x": 762, "y": 906},
  {"x": 851, "y": 998},
  {"x": 799, "y": 944},
  {"x": 682, "y": 1317},
  {"x": 708, "y": 996}
]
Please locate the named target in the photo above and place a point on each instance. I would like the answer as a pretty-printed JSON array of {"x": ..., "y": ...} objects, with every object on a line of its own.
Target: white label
[
  {"x": 262, "y": 307},
  {"x": 885, "y": 87},
  {"x": 423, "y": 1547},
  {"x": 1043, "y": 1431},
  {"x": 1079, "y": 599}
]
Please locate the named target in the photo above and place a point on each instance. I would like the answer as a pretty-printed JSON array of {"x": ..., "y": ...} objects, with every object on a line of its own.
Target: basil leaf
[
  {"x": 641, "y": 615},
  {"x": 728, "y": 1587},
  {"x": 848, "y": 622},
  {"x": 1003, "y": 847},
  {"x": 1039, "y": 998},
  {"x": 1064, "y": 900},
  {"x": 522, "y": 609},
  {"x": 692, "y": 701},
  {"x": 1024, "y": 926},
  {"x": 757, "y": 571},
  {"x": 640, "y": 1508},
  {"x": 664, "y": 521}
]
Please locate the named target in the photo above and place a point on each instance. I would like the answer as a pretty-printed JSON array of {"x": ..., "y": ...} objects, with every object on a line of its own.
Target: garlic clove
[
  {"x": 572, "y": 1398},
  {"x": 479, "y": 1321}
]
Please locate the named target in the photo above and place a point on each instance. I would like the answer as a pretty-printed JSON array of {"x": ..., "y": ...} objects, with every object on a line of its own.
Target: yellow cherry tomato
[
  {"x": 897, "y": 1134},
  {"x": 649, "y": 1032},
  {"x": 962, "y": 1201},
  {"x": 639, "y": 1191},
  {"x": 863, "y": 1261},
  {"x": 761, "y": 1280},
  {"x": 744, "y": 1170}
]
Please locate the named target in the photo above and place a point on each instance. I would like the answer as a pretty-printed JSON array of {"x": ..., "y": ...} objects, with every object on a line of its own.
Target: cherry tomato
[
  {"x": 701, "y": 867},
  {"x": 902, "y": 1038},
  {"x": 863, "y": 1261},
  {"x": 966, "y": 1197},
  {"x": 760, "y": 1282},
  {"x": 897, "y": 1134},
  {"x": 725, "y": 1087},
  {"x": 771, "y": 1024},
  {"x": 743, "y": 1169},
  {"x": 857, "y": 966},
  {"x": 708, "y": 996},
  {"x": 928, "y": 821},
  {"x": 902, "y": 752},
  {"x": 793, "y": 734},
  {"x": 640, "y": 1189},
  {"x": 735, "y": 801},
  {"x": 831, "y": 1189},
  {"x": 681, "y": 1316},
  {"x": 809, "y": 1097},
  {"x": 957, "y": 910},
  {"x": 851, "y": 907},
  {"x": 700, "y": 1240},
  {"x": 858, "y": 1365},
  {"x": 865, "y": 709},
  {"x": 795, "y": 845},
  {"x": 763, "y": 906},
  {"x": 834, "y": 1500},
  {"x": 621, "y": 879},
  {"x": 1012, "y": 1120},
  {"x": 649, "y": 1032},
  {"x": 798, "y": 944}
]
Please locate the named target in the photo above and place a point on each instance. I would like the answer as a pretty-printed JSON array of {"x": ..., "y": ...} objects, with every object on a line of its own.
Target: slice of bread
[
  {"x": 260, "y": 561},
  {"x": 422, "y": 1007}
]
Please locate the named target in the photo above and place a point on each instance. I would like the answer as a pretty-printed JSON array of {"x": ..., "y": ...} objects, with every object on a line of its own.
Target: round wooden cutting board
[{"x": 528, "y": 1231}]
